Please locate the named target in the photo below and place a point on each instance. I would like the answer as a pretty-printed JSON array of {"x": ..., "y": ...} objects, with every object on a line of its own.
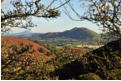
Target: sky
[{"x": 58, "y": 24}]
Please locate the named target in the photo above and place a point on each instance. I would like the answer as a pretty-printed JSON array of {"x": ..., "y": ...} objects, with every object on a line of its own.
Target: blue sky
[{"x": 58, "y": 24}]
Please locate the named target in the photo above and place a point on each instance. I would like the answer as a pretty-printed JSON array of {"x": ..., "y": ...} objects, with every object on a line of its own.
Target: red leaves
[{"x": 21, "y": 43}]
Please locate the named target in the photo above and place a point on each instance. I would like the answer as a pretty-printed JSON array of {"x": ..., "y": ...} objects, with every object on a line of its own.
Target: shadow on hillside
[
  {"x": 71, "y": 70},
  {"x": 103, "y": 61}
]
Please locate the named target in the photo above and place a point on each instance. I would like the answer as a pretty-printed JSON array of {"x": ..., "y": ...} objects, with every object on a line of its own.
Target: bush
[
  {"x": 42, "y": 50},
  {"x": 114, "y": 74}
]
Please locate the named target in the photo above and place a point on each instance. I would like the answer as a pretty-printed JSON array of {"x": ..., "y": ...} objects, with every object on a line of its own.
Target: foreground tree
[
  {"x": 22, "y": 11},
  {"x": 105, "y": 13}
]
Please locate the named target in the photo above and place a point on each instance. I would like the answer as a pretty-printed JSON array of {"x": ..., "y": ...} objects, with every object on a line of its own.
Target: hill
[
  {"x": 75, "y": 33},
  {"x": 103, "y": 63},
  {"x": 15, "y": 34},
  {"x": 25, "y": 60},
  {"x": 72, "y": 36},
  {"x": 20, "y": 44}
]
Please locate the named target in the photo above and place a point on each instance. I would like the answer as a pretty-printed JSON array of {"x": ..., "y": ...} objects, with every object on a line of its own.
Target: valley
[
  {"x": 89, "y": 46},
  {"x": 59, "y": 56},
  {"x": 60, "y": 40}
]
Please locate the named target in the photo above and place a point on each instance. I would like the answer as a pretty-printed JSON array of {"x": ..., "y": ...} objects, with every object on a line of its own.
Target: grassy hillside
[
  {"x": 73, "y": 36},
  {"x": 102, "y": 63},
  {"x": 26, "y": 60},
  {"x": 75, "y": 33},
  {"x": 20, "y": 44},
  {"x": 20, "y": 62}
]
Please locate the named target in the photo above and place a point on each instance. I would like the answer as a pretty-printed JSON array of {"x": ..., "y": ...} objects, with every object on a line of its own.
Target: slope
[
  {"x": 75, "y": 33},
  {"x": 102, "y": 63},
  {"x": 19, "y": 43},
  {"x": 82, "y": 34}
]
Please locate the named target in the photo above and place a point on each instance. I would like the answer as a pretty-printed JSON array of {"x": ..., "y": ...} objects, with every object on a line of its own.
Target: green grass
[{"x": 59, "y": 47}]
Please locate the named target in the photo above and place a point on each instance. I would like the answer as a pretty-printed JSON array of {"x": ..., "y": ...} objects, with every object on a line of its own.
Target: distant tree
[
  {"x": 22, "y": 10},
  {"x": 42, "y": 50},
  {"x": 105, "y": 13}
]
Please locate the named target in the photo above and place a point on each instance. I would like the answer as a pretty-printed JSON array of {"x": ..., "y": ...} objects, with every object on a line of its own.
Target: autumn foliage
[
  {"x": 22, "y": 43},
  {"x": 26, "y": 60}
]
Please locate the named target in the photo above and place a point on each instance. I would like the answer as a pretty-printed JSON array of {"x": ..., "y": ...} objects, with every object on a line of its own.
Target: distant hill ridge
[
  {"x": 75, "y": 33},
  {"x": 83, "y": 34}
]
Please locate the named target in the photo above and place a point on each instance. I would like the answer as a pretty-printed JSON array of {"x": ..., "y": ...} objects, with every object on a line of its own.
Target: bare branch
[
  {"x": 22, "y": 11},
  {"x": 105, "y": 13}
]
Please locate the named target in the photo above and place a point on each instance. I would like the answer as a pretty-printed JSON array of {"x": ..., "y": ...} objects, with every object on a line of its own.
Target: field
[{"x": 89, "y": 46}]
